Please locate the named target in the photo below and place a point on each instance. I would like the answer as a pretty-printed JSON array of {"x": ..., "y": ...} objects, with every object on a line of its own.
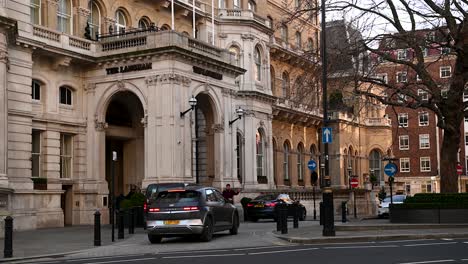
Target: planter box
[{"x": 439, "y": 216}]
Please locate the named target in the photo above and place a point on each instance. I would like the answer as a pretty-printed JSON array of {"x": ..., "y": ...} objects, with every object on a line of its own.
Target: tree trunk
[{"x": 449, "y": 160}]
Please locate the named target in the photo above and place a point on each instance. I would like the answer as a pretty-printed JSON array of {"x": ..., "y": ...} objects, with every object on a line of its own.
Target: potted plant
[
  {"x": 373, "y": 179},
  {"x": 136, "y": 200},
  {"x": 39, "y": 183}
]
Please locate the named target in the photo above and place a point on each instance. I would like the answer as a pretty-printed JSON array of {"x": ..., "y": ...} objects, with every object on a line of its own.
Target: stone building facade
[{"x": 84, "y": 79}]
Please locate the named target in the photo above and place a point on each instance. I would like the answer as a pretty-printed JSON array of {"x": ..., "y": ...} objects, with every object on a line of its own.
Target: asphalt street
[{"x": 395, "y": 252}]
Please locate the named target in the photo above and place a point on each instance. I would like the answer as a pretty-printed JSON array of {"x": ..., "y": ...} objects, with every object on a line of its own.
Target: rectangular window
[
  {"x": 404, "y": 142},
  {"x": 404, "y": 164},
  {"x": 408, "y": 188},
  {"x": 383, "y": 77},
  {"x": 36, "y": 154},
  {"x": 445, "y": 51},
  {"x": 402, "y": 77},
  {"x": 424, "y": 51},
  {"x": 65, "y": 95},
  {"x": 35, "y": 6},
  {"x": 425, "y": 163},
  {"x": 424, "y": 141},
  {"x": 401, "y": 55},
  {"x": 423, "y": 119},
  {"x": 445, "y": 71},
  {"x": 426, "y": 187},
  {"x": 403, "y": 120},
  {"x": 64, "y": 16},
  {"x": 466, "y": 139},
  {"x": 65, "y": 155},
  {"x": 466, "y": 119},
  {"x": 424, "y": 95},
  {"x": 236, "y": 4},
  {"x": 465, "y": 96},
  {"x": 36, "y": 90}
]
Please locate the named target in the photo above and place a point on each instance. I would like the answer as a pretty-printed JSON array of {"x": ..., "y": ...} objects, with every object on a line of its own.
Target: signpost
[
  {"x": 312, "y": 165},
  {"x": 391, "y": 169},
  {"x": 354, "y": 184},
  {"x": 327, "y": 135}
]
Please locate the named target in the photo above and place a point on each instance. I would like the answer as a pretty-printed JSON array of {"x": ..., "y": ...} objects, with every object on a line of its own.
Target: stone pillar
[
  {"x": 80, "y": 21},
  {"x": 51, "y": 150},
  {"x": 151, "y": 169},
  {"x": 50, "y": 14},
  {"x": 293, "y": 175},
  {"x": 279, "y": 168},
  {"x": 3, "y": 111}
]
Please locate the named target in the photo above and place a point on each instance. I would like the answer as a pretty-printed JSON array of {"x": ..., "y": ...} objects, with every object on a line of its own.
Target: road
[{"x": 396, "y": 252}]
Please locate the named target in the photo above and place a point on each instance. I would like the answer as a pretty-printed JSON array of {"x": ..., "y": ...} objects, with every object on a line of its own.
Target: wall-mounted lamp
[
  {"x": 240, "y": 113},
  {"x": 192, "y": 102}
]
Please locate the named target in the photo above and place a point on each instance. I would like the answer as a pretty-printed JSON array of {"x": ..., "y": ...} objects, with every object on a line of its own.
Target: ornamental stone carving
[
  {"x": 100, "y": 126},
  {"x": 218, "y": 128},
  {"x": 53, "y": 2},
  {"x": 4, "y": 56},
  {"x": 144, "y": 121},
  {"x": 168, "y": 78},
  {"x": 90, "y": 88},
  {"x": 120, "y": 85},
  {"x": 83, "y": 11}
]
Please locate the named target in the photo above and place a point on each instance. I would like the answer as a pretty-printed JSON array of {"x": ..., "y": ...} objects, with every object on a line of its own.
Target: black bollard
[
  {"x": 321, "y": 213},
  {"x": 284, "y": 219},
  {"x": 97, "y": 228},
  {"x": 278, "y": 217},
  {"x": 296, "y": 215},
  {"x": 131, "y": 221},
  {"x": 343, "y": 212},
  {"x": 8, "y": 246},
  {"x": 120, "y": 234}
]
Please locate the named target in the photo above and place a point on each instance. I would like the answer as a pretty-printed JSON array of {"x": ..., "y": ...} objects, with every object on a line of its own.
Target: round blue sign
[
  {"x": 391, "y": 169},
  {"x": 312, "y": 165}
]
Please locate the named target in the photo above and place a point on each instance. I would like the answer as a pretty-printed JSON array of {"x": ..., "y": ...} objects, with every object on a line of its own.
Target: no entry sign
[{"x": 354, "y": 182}]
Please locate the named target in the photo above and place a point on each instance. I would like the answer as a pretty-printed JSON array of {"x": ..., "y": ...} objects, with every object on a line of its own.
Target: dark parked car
[
  {"x": 263, "y": 207},
  {"x": 192, "y": 210}
]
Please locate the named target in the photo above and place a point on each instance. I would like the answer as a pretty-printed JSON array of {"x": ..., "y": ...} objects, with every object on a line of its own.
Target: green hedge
[
  {"x": 430, "y": 206},
  {"x": 137, "y": 199},
  {"x": 435, "y": 201}
]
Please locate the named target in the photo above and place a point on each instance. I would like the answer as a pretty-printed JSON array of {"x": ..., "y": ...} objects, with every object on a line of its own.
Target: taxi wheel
[
  {"x": 154, "y": 239},
  {"x": 207, "y": 234},
  {"x": 235, "y": 225}
]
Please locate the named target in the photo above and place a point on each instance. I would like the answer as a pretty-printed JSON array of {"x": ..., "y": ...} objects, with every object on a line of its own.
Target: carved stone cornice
[
  {"x": 218, "y": 128},
  {"x": 83, "y": 11},
  {"x": 100, "y": 126},
  {"x": 248, "y": 36},
  {"x": 144, "y": 121},
  {"x": 90, "y": 88},
  {"x": 109, "y": 20},
  {"x": 222, "y": 35},
  {"x": 53, "y": 2},
  {"x": 168, "y": 78}
]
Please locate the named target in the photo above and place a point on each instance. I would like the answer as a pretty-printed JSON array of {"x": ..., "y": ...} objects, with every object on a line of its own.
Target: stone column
[
  {"x": 3, "y": 111},
  {"x": 293, "y": 172},
  {"x": 279, "y": 168},
  {"x": 50, "y": 14}
]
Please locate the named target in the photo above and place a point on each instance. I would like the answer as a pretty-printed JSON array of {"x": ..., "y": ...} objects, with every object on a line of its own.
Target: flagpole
[
  {"x": 193, "y": 17},
  {"x": 212, "y": 23},
  {"x": 172, "y": 14}
]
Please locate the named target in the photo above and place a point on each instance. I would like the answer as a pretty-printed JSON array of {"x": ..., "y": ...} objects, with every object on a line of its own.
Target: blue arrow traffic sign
[
  {"x": 327, "y": 135},
  {"x": 312, "y": 165},
  {"x": 391, "y": 169}
]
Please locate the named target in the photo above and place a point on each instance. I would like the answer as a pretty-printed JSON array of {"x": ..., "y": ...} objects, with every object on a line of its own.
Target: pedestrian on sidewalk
[{"x": 229, "y": 193}]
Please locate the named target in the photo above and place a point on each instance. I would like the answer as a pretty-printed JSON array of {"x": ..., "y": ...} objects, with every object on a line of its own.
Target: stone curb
[
  {"x": 53, "y": 255},
  {"x": 344, "y": 227},
  {"x": 324, "y": 240}
]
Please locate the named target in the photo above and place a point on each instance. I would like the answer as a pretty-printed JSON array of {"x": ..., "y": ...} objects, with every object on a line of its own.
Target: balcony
[
  {"x": 242, "y": 15},
  {"x": 139, "y": 41},
  {"x": 378, "y": 121},
  {"x": 288, "y": 110}
]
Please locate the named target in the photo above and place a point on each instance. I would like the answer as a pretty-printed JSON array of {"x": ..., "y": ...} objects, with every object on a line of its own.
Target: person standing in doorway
[{"x": 229, "y": 193}]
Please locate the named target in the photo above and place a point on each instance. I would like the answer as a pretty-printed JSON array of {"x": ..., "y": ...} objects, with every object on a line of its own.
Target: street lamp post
[{"x": 327, "y": 194}]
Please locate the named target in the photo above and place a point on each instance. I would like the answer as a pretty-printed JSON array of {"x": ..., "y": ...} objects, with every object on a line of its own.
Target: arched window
[
  {"x": 286, "y": 149},
  {"x": 222, "y": 4},
  {"x": 236, "y": 4},
  {"x": 300, "y": 162},
  {"x": 236, "y": 52},
  {"x": 165, "y": 27},
  {"x": 36, "y": 90},
  {"x": 120, "y": 21},
  {"x": 66, "y": 94},
  {"x": 270, "y": 21},
  {"x": 239, "y": 153},
  {"x": 273, "y": 79},
  {"x": 375, "y": 164},
  {"x": 310, "y": 44},
  {"x": 258, "y": 64},
  {"x": 298, "y": 40},
  {"x": 284, "y": 33},
  {"x": 252, "y": 6},
  {"x": 285, "y": 84},
  {"x": 144, "y": 23},
  {"x": 94, "y": 18},
  {"x": 64, "y": 9},
  {"x": 35, "y": 6},
  {"x": 260, "y": 152}
]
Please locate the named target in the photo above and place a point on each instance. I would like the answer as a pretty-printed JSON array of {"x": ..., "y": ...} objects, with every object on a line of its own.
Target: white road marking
[
  {"x": 464, "y": 259},
  {"x": 447, "y": 239},
  {"x": 430, "y": 244},
  {"x": 193, "y": 252},
  {"x": 386, "y": 246},
  {"x": 95, "y": 258},
  {"x": 119, "y": 261},
  {"x": 281, "y": 251},
  {"x": 409, "y": 240},
  {"x": 430, "y": 261},
  {"x": 349, "y": 243},
  {"x": 204, "y": 256},
  {"x": 466, "y": 242},
  {"x": 264, "y": 247}
]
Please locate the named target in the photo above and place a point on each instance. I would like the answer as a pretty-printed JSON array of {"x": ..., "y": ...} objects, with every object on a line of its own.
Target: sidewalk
[
  {"x": 372, "y": 230},
  {"x": 59, "y": 241}
]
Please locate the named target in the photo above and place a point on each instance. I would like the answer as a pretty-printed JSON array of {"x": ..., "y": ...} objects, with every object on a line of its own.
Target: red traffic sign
[
  {"x": 354, "y": 182},
  {"x": 459, "y": 169}
]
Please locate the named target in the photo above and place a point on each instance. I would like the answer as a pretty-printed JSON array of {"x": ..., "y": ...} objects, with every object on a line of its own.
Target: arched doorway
[
  {"x": 204, "y": 135},
  {"x": 125, "y": 136}
]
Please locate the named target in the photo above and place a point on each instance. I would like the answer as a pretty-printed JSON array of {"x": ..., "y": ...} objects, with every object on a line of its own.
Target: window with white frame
[
  {"x": 36, "y": 161},
  {"x": 120, "y": 21},
  {"x": 36, "y": 90},
  {"x": 444, "y": 93},
  {"x": 236, "y": 52},
  {"x": 35, "y": 6},
  {"x": 403, "y": 120},
  {"x": 424, "y": 51},
  {"x": 286, "y": 161},
  {"x": 284, "y": 33},
  {"x": 465, "y": 96},
  {"x": 300, "y": 162},
  {"x": 66, "y": 94},
  {"x": 445, "y": 71},
  {"x": 402, "y": 98},
  {"x": 298, "y": 40},
  {"x": 383, "y": 77},
  {"x": 402, "y": 77},
  {"x": 404, "y": 164},
  {"x": 424, "y": 142},
  {"x": 466, "y": 139},
  {"x": 260, "y": 152},
  {"x": 144, "y": 23},
  {"x": 222, "y": 4},
  {"x": 285, "y": 84},
  {"x": 65, "y": 156},
  {"x": 445, "y": 51},
  {"x": 423, "y": 95},
  {"x": 252, "y": 6},
  {"x": 425, "y": 164},
  {"x": 404, "y": 142},
  {"x": 64, "y": 16},
  {"x": 236, "y": 4},
  {"x": 423, "y": 119},
  {"x": 258, "y": 64},
  {"x": 426, "y": 187},
  {"x": 402, "y": 54},
  {"x": 94, "y": 18}
]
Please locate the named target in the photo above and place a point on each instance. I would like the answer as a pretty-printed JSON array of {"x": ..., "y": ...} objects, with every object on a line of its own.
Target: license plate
[
  {"x": 171, "y": 222},
  {"x": 259, "y": 205}
]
